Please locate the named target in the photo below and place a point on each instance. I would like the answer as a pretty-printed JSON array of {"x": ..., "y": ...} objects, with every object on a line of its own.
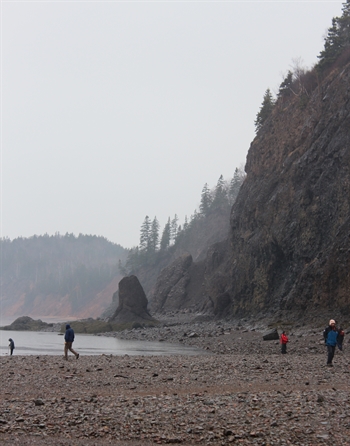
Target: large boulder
[
  {"x": 132, "y": 302},
  {"x": 272, "y": 335}
]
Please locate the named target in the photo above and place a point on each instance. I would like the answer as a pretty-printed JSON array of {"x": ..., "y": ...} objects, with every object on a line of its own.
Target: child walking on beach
[{"x": 11, "y": 346}]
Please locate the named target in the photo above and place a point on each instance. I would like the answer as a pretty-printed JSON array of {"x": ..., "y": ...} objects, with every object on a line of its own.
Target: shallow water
[{"x": 48, "y": 343}]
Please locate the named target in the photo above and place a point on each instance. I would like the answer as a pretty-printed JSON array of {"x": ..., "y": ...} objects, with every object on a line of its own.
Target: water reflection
[{"x": 42, "y": 343}]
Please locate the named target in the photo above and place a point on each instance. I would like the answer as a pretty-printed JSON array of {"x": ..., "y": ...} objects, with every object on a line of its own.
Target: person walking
[
  {"x": 283, "y": 341},
  {"x": 69, "y": 339},
  {"x": 11, "y": 346},
  {"x": 330, "y": 335}
]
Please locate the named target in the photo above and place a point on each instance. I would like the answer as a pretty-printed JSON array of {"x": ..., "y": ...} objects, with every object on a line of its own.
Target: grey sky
[{"x": 112, "y": 111}]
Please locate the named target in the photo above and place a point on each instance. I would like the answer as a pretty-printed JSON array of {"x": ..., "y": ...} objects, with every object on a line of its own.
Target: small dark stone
[{"x": 39, "y": 402}]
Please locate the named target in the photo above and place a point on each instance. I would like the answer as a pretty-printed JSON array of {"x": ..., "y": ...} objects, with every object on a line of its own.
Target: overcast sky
[{"x": 112, "y": 111}]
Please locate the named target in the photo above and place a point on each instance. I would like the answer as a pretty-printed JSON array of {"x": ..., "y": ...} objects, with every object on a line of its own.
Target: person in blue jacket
[
  {"x": 330, "y": 335},
  {"x": 68, "y": 342}
]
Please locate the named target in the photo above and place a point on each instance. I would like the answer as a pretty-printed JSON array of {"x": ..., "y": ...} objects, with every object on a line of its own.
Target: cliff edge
[
  {"x": 288, "y": 248},
  {"x": 290, "y": 225}
]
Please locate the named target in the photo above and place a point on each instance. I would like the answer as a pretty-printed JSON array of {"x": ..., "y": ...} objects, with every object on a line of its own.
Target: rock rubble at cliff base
[{"x": 241, "y": 392}]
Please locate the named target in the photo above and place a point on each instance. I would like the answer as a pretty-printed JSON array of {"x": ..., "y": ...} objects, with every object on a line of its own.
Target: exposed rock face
[
  {"x": 170, "y": 290},
  {"x": 181, "y": 285},
  {"x": 290, "y": 225},
  {"x": 288, "y": 251},
  {"x": 132, "y": 302},
  {"x": 203, "y": 234}
]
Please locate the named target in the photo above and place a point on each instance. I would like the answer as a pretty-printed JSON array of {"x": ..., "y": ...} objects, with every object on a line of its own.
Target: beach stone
[
  {"x": 249, "y": 394},
  {"x": 271, "y": 335},
  {"x": 39, "y": 402}
]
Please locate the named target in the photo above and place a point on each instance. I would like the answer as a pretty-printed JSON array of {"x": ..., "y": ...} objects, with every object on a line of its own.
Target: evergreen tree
[
  {"x": 220, "y": 195},
  {"x": 206, "y": 200},
  {"x": 286, "y": 86},
  {"x": 338, "y": 38},
  {"x": 185, "y": 226},
  {"x": 235, "y": 184},
  {"x": 133, "y": 260},
  {"x": 193, "y": 218},
  {"x": 344, "y": 24},
  {"x": 265, "y": 110},
  {"x": 165, "y": 240},
  {"x": 174, "y": 228},
  {"x": 145, "y": 234},
  {"x": 154, "y": 235}
]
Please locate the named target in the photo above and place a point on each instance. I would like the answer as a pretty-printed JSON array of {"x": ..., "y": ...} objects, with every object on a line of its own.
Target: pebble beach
[{"x": 239, "y": 389}]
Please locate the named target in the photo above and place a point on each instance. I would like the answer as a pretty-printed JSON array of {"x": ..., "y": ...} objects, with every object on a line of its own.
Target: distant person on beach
[
  {"x": 283, "y": 341},
  {"x": 330, "y": 335},
  {"x": 69, "y": 339},
  {"x": 11, "y": 346}
]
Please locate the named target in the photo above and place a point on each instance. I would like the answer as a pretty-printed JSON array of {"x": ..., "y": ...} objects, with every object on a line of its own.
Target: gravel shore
[{"x": 238, "y": 390}]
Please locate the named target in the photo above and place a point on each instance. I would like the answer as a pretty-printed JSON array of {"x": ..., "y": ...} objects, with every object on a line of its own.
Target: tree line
[
  {"x": 60, "y": 265},
  {"x": 153, "y": 242},
  {"x": 301, "y": 82}
]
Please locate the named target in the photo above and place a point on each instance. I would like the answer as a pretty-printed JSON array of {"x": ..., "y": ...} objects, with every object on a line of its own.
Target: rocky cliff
[
  {"x": 290, "y": 226},
  {"x": 287, "y": 253}
]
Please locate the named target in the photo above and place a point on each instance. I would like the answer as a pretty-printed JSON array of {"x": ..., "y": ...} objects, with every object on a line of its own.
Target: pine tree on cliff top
[
  {"x": 235, "y": 185},
  {"x": 220, "y": 194},
  {"x": 165, "y": 240},
  {"x": 265, "y": 110},
  {"x": 154, "y": 235},
  {"x": 206, "y": 200},
  {"x": 338, "y": 38},
  {"x": 145, "y": 234}
]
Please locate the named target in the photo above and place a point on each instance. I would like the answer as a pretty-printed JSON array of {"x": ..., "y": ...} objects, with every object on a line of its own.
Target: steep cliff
[
  {"x": 290, "y": 239},
  {"x": 287, "y": 254},
  {"x": 202, "y": 234},
  {"x": 290, "y": 225}
]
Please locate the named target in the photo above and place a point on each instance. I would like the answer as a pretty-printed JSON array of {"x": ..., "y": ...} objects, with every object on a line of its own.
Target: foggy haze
[{"x": 114, "y": 111}]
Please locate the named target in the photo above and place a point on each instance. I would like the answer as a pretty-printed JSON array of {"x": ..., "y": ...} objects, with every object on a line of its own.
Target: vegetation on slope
[
  {"x": 57, "y": 265},
  {"x": 153, "y": 248},
  {"x": 301, "y": 82}
]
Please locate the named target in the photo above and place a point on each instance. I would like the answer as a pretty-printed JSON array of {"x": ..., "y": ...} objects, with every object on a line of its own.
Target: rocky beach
[{"x": 239, "y": 389}]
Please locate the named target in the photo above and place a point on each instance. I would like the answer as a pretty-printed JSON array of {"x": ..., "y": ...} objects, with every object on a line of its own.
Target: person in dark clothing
[
  {"x": 69, "y": 339},
  {"x": 330, "y": 335},
  {"x": 340, "y": 339},
  {"x": 11, "y": 346},
  {"x": 283, "y": 341}
]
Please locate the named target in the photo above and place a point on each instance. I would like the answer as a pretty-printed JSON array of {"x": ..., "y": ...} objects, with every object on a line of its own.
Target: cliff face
[
  {"x": 203, "y": 234},
  {"x": 288, "y": 249},
  {"x": 290, "y": 225}
]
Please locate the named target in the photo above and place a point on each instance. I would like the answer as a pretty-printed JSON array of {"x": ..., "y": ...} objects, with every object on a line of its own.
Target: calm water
[{"x": 42, "y": 343}]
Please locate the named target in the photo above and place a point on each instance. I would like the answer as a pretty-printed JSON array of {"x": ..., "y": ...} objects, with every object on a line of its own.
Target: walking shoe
[
  {"x": 78, "y": 356},
  {"x": 329, "y": 365}
]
